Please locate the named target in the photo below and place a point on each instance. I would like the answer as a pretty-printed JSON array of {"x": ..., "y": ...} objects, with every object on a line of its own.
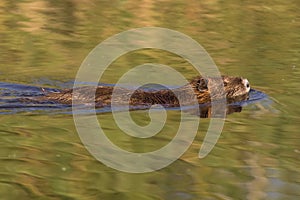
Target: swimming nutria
[{"x": 235, "y": 88}]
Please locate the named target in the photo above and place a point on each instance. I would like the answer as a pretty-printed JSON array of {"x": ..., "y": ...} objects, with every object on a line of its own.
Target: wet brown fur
[{"x": 204, "y": 89}]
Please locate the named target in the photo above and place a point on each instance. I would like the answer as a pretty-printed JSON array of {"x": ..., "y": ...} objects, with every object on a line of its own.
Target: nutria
[{"x": 235, "y": 88}]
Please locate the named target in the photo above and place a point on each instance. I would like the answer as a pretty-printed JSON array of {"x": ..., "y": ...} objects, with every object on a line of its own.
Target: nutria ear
[
  {"x": 225, "y": 81},
  {"x": 202, "y": 84}
]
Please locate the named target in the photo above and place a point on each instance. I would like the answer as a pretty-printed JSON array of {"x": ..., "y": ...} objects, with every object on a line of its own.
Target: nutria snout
[{"x": 205, "y": 89}]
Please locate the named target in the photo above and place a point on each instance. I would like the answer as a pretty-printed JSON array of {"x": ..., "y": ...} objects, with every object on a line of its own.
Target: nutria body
[{"x": 203, "y": 89}]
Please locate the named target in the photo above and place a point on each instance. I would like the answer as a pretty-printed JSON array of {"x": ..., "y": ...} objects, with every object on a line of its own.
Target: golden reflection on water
[{"x": 257, "y": 154}]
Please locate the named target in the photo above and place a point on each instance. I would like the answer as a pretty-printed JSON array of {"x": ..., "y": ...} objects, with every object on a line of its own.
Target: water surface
[{"x": 257, "y": 156}]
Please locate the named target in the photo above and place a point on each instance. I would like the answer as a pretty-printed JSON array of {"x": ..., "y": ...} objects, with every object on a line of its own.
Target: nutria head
[{"x": 234, "y": 88}]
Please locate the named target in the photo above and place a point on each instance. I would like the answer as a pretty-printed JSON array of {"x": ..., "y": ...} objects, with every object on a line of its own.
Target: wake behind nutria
[{"x": 235, "y": 89}]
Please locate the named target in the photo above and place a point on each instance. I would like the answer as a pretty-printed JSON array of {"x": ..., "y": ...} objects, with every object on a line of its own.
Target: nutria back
[{"x": 204, "y": 89}]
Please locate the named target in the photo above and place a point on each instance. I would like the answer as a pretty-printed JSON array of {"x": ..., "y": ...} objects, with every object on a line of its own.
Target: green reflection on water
[{"x": 257, "y": 156}]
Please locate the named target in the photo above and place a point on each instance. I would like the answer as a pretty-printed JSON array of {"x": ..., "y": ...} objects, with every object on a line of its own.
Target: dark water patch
[{"x": 19, "y": 90}]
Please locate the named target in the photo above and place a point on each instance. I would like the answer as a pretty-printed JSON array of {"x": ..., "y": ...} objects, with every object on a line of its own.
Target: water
[{"x": 257, "y": 156}]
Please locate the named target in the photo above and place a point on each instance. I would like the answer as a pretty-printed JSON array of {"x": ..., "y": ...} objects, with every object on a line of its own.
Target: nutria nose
[{"x": 247, "y": 84}]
